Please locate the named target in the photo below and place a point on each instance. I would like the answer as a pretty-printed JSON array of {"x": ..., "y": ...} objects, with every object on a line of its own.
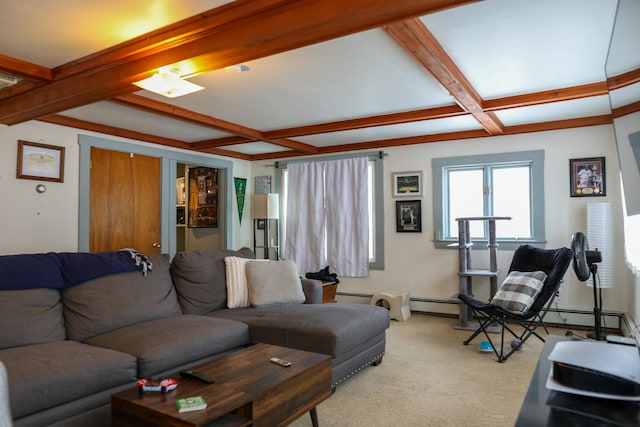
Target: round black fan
[
  {"x": 584, "y": 264},
  {"x": 580, "y": 246}
]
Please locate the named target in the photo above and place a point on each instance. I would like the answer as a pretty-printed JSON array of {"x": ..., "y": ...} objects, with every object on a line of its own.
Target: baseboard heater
[{"x": 618, "y": 319}]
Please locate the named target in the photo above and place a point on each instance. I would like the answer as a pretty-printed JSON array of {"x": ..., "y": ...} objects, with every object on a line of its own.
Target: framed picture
[
  {"x": 408, "y": 216},
  {"x": 587, "y": 177},
  {"x": 41, "y": 162},
  {"x": 407, "y": 184},
  {"x": 263, "y": 184},
  {"x": 203, "y": 197}
]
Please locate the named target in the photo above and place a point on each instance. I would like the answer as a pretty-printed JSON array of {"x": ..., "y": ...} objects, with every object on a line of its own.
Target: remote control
[
  {"x": 280, "y": 362},
  {"x": 196, "y": 375}
]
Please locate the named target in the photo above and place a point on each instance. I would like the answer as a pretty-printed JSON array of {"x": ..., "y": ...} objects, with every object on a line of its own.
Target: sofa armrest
[{"x": 312, "y": 290}]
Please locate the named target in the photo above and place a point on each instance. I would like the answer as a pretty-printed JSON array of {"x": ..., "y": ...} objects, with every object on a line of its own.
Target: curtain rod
[{"x": 381, "y": 155}]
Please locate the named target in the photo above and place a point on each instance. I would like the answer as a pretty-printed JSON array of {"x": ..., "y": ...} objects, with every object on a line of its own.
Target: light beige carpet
[{"x": 429, "y": 378}]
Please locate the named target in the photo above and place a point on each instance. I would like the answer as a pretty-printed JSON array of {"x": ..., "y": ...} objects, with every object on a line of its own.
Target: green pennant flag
[{"x": 241, "y": 187}]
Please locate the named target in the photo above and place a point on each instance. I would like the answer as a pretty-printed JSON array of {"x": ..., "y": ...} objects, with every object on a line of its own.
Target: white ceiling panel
[
  {"x": 70, "y": 29},
  {"x": 625, "y": 96},
  {"x": 577, "y": 108},
  {"x": 111, "y": 114},
  {"x": 509, "y": 47},
  {"x": 253, "y": 148},
  {"x": 625, "y": 38},
  {"x": 356, "y": 76},
  {"x": 405, "y": 130}
]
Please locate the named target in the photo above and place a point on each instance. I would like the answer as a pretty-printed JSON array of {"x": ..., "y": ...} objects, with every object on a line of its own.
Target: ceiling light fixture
[{"x": 168, "y": 83}]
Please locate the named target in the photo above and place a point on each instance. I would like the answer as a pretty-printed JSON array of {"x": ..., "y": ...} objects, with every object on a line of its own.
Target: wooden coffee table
[{"x": 249, "y": 390}]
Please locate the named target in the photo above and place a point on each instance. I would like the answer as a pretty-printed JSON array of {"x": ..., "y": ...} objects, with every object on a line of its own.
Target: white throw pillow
[
  {"x": 237, "y": 293},
  {"x": 519, "y": 290},
  {"x": 273, "y": 282}
]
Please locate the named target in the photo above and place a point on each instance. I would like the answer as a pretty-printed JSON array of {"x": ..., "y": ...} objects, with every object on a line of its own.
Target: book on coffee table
[{"x": 187, "y": 404}]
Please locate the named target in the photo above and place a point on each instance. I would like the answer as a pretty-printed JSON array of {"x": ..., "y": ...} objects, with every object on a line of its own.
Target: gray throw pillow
[
  {"x": 519, "y": 290},
  {"x": 273, "y": 282}
]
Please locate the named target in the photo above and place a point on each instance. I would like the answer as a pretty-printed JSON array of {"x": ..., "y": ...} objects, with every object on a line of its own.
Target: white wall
[
  {"x": 32, "y": 222},
  {"x": 414, "y": 265}
]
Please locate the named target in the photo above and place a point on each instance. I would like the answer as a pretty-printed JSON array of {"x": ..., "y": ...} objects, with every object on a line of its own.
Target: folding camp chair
[{"x": 516, "y": 302}]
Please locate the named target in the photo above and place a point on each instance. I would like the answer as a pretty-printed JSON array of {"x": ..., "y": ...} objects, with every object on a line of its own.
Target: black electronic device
[
  {"x": 595, "y": 369},
  {"x": 196, "y": 375}
]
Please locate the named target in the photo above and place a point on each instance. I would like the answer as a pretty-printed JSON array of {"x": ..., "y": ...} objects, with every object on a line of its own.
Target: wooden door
[{"x": 124, "y": 202}]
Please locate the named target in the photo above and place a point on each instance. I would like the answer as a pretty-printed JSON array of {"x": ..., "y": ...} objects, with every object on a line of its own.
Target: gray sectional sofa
[{"x": 68, "y": 347}]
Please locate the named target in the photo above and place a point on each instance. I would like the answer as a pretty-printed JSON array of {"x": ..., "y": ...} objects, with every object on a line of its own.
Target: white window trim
[{"x": 537, "y": 195}]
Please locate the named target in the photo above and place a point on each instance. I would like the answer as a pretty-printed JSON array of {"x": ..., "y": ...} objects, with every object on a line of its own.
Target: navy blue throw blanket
[{"x": 65, "y": 269}]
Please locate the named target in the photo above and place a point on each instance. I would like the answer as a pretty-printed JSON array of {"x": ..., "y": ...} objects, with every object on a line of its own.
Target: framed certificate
[{"x": 40, "y": 162}]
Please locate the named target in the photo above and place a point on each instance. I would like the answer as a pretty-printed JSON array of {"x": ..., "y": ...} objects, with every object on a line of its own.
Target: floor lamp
[
  {"x": 600, "y": 237},
  {"x": 266, "y": 214}
]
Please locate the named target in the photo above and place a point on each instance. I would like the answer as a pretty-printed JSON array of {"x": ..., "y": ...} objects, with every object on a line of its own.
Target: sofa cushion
[
  {"x": 163, "y": 344},
  {"x": 43, "y": 376},
  {"x": 273, "y": 283},
  {"x": 336, "y": 329},
  {"x": 111, "y": 302},
  {"x": 200, "y": 278},
  {"x": 30, "y": 316}
]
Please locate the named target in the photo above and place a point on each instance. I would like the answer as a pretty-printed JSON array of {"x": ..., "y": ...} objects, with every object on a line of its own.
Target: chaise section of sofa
[{"x": 353, "y": 334}]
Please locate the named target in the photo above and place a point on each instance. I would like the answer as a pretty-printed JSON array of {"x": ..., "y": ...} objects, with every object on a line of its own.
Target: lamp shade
[
  {"x": 266, "y": 206},
  {"x": 600, "y": 237}
]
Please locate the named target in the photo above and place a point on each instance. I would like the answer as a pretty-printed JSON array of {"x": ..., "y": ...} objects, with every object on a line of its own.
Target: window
[
  {"x": 376, "y": 208},
  {"x": 508, "y": 184}
]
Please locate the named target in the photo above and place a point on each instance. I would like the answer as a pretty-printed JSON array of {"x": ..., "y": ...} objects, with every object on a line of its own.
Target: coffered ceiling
[{"x": 323, "y": 76}]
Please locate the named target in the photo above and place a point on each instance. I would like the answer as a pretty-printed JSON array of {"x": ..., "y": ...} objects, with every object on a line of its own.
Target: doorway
[
  {"x": 169, "y": 159},
  {"x": 124, "y": 201},
  {"x": 199, "y": 207}
]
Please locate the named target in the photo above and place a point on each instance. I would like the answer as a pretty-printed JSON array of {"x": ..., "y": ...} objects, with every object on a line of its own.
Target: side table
[{"x": 329, "y": 292}]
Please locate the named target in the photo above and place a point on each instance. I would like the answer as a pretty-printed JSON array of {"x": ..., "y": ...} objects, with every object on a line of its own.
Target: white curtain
[
  {"x": 305, "y": 242},
  {"x": 328, "y": 216},
  {"x": 347, "y": 213}
]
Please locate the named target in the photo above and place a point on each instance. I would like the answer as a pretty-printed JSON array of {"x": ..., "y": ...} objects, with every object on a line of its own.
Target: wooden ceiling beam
[
  {"x": 178, "y": 113},
  {"x": 24, "y": 70},
  {"x": 366, "y": 122},
  {"x": 559, "y": 124},
  {"x": 634, "y": 107},
  {"x": 219, "y": 142},
  {"x": 126, "y": 133},
  {"x": 547, "y": 96},
  {"x": 58, "y": 119},
  {"x": 283, "y": 25},
  {"x": 149, "y": 105},
  {"x": 624, "y": 79},
  {"x": 448, "y": 136},
  {"x": 414, "y": 37}
]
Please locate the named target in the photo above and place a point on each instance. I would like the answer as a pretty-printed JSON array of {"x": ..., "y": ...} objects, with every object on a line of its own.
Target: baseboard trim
[{"x": 613, "y": 322}]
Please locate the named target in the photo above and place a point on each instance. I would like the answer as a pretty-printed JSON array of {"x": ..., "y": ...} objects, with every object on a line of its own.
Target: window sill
[{"x": 503, "y": 245}]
